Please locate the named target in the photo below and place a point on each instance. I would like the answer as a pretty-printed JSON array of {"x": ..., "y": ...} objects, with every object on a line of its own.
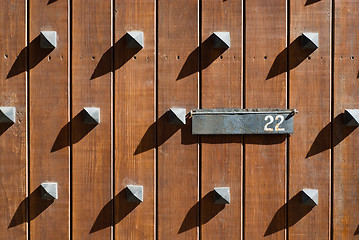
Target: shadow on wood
[
  {"x": 36, "y": 55},
  {"x": 51, "y": 1},
  {"x": 165, "y": 131},
  {"x": 356, "y": 231},
  {"x": 122, "y": 55},
  {"x": 121, "y": 208},
  {"x": 209, "y": 55},
  {"x": 323, "y": 142},
  {"x": 36, "y": 204},
  {"x": 4, "y": 127},
  {"x": 208, "y": 211},
  {"x": 309, "y": 2},
  {"x": 296, "y": 211},
  {"x": 79, "y": 131},
  {"x": 296, "y": 56}
]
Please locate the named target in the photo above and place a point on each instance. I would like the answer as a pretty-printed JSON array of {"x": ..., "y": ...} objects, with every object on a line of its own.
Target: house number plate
[{"x": 242, "y": 121}]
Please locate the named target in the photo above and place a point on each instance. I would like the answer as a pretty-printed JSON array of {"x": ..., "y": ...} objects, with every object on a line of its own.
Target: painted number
[{"x": 270, "y": 119}]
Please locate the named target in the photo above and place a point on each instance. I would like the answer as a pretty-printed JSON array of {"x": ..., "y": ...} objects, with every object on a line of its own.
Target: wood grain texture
[
  {"x": 310, "y": 94},
  {"x": 346, "y": 68},
  {"x": 177, "y": 175},
  {"x": 134, "y": 118},
  {"x": 265, "y": 87},
  {"x": 221, "y": 88},
  {"x": 92, "y": 158},
  {"x": 13, "y": 159},
  {"x": 48, "y": 107}
]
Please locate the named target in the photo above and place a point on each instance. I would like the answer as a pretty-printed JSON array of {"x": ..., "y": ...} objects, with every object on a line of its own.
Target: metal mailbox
[{"x": 242, "y": 121}]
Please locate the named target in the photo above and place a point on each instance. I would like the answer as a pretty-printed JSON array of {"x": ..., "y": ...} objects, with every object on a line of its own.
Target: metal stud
[
  {"x": 177, "y": 116},
  {"x": 49, "y": 191},
  {"x": 221, "y": 40},
  {"x": 135, "y": 39},
  {"x": 7, "y": 114},
  {"x": 91, "y": 115},
  {"x": 351, "y": 117},
  {"x": 310, "y": 197},
  {"x": 134, "y": 193},
  {"x": 310, "y": 40},
  {"x": 48, "y": 39},
  {"x": 222, "y": 195}
]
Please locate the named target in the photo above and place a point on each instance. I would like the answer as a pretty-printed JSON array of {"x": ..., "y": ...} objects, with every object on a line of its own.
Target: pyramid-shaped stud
[
  {"x": 49, "y": 191},
  {"x": 7, "y": 114},
  {"x": 310, "y": 197},
  {"x": 351, "y": 117},
  {"x": 134, "y": 193},
  {"x": 221, "y": 40},
  {"x": 222, "y": 195},
  {"x": 135, "y": 39},
  {"x": 48, "y": 39},
  {"x": 91, "y": 115},
  {"x": 310, "y": 40},
  {"x": 177, "y": 116}
]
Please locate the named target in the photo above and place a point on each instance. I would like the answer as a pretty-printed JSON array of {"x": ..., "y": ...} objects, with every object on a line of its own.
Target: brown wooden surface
[
  {"x": 13, "y": 170},
  {"x": 177, "y": 175},
  {"x": 91, "y": 157},
  {"x": 221, "y": 87},
  {"x": 136, "y": 144},
  {"x": 345, "y": 139},
  {"x": 48, "y": 108},
  {"x": 265, "y": 156},
  {"x": 309, "y": 146},
  {"x": 134, "y": 118}
]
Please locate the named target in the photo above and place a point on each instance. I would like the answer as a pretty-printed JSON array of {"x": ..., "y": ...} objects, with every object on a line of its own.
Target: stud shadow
[
  {"x": 4, "y": 127},
  {"x": 356, "y": 231},
  {"x": 165, "y": 130},
  {"x": 51, "y": 1},
  {"x": 121, "y": 208},
  {"x": 296, "y": 56},
  {"x": 37, "y": 206},
  {"x": 79, "y": 131},
  {"x": 209, "y": 55},
  {"x": 358, "y": 75},
  {"x": 36, "y": 55},
  {"x": 208, "y": 211},
  {"x": 309, "y": 2},
  {"x": 122, "y": 55},
  {"x": 296, "y": 211},
  {"x": 322, "y": 141}
]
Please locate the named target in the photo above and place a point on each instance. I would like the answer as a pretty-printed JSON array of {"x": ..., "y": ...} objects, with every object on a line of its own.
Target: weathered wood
[
  {"x": 177, "y": 175},
  {"x": 134, "y": 116},
  {"x": 345, "y": 139},
  {"x": 221, "y": 87},
  {"x": 48, "y": 108},
  {"x": 265, "y": 87},
  {"x": 309, "y": 146},
  {"x": 92, "y": 157},
  {"x": 13, "y": 160}
]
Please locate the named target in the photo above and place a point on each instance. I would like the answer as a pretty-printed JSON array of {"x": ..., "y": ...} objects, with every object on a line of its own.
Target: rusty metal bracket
[{"x": 242, "y": 121}]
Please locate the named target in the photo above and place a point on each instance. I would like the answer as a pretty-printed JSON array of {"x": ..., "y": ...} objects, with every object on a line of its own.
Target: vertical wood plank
[
  {"x": 177, "y": 176},
  {"x": 48, "y": 113},
  {"x": 221, "y": 88},
  {"x": 345, "y": 169},
  {"x": 92, "y": 87},
  {"x": 134, "y": 113},
  {"x": 13, "y": 157},
  {"x": 265, "y": 87},
  {"x": 310, "y": 94}
]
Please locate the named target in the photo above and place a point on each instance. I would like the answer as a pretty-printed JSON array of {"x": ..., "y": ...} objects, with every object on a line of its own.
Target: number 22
[{"x": 271, "y": 120}]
